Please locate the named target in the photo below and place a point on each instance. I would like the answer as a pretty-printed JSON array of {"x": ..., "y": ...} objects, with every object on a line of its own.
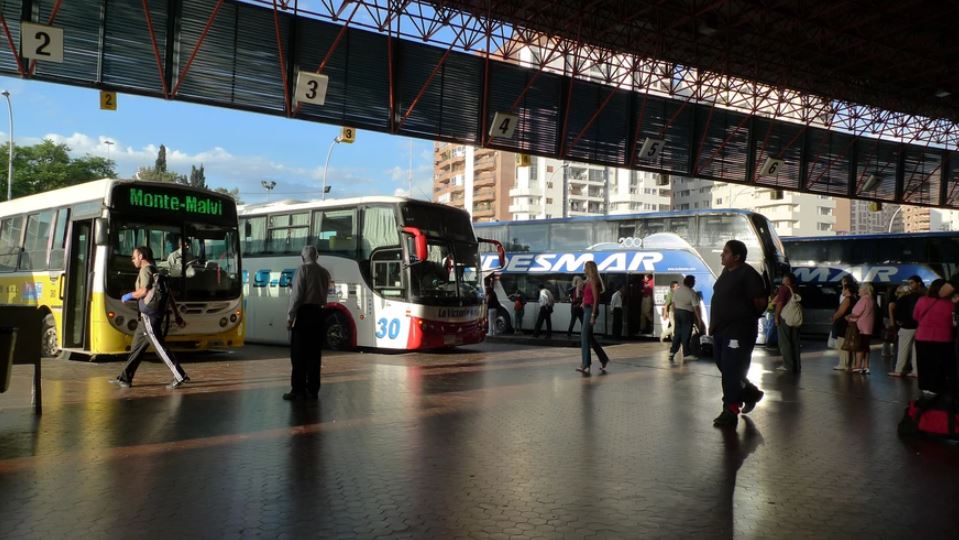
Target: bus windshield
[
  {"x": 450, "y": 274},
  {"x": 202, "y": 260}
]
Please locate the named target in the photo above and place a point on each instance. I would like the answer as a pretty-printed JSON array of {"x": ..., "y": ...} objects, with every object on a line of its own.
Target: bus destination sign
[{"x": 177, "y": 202}]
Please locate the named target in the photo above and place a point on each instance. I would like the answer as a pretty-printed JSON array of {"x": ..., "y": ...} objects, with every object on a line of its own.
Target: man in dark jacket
[{"x": 902, "y": 309}]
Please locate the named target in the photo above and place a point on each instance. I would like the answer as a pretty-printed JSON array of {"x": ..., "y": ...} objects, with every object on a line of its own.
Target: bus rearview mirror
[{"x": 100, "y": 234}]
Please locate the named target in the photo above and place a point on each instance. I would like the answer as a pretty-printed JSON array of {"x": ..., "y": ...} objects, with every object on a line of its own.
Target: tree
[
  {"x": 197, "y": 177},
  {"x": 160, "y": 165},
  {"x": 235, "y": 193},
  {"x": 159, "y": 173},
  {"x": 48, "y": 165}
]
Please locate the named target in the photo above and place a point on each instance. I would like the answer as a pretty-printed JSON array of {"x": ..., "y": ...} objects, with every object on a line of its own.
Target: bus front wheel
[
  {"x": 336, "y": 332},
  {"x": 48, "y": 338}
]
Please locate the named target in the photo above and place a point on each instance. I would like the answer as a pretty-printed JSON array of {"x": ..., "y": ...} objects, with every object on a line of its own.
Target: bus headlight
[
  {"x": 233, "y": 317},
  {"x": 223, "y": 322},
  {"x": 132, "y": 325},
  {"x": 119, "y": 321}
]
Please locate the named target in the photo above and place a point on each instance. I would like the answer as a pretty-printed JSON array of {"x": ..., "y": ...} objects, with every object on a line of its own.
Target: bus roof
[
  {"x": 87, "y": 191},
  {"x": 618, "y": 217},
  {"x": 292, "y": 205},
  {"x": 97, "y": 190},
  {"x": 872, "y": 236}
]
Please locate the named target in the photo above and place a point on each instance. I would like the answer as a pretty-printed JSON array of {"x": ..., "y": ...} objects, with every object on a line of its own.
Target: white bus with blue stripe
[
  {"x": 883, "y": 260},
  {"x": 406, "y": 273},
  {"x": 672, "y": 260}
]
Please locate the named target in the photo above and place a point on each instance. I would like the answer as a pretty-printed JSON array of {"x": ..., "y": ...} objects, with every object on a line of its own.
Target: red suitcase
[{"x": 932, "y": 417}]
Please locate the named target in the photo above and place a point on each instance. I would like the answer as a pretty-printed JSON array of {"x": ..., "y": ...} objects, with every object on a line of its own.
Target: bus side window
[
  {"x": 58, "y": 250},
  {"x": 10, "y": 229}
]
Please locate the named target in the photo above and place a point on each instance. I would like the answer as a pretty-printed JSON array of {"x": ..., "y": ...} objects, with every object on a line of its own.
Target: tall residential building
[
  {"x": 916, "y": 218},
  {"x": 474, "y": 179},
  {"x": 922, "y": 219},
  {"x": 863, "y": 220},
  {"x": 793, "y": 214},
  {"x": 590, "y": 190}
]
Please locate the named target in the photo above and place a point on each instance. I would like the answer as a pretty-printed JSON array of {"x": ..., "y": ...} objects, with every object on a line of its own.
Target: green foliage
[
  {"x": 235, "y": 193},
  {"x": 160, "y": 164},
  {"x": 48, "y": 165},
  {"x": 197, "y": 177}
]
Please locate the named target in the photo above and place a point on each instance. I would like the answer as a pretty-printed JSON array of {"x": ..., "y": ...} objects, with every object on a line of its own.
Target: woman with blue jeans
[{"x": 591, "y": 291}]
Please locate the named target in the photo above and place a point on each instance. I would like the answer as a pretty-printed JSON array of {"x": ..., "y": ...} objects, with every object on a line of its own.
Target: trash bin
[{"x": 8, "y": 340}]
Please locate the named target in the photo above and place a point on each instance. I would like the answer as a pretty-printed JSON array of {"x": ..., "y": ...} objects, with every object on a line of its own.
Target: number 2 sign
[{"x": 41, "y": 42}]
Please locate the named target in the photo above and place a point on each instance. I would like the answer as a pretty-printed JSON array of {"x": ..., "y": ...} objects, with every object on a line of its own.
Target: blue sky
[{"x": 238, "y": 149}]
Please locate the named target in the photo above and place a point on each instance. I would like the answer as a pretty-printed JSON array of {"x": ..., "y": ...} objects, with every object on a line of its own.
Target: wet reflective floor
[{"x": 497, "y": 441}]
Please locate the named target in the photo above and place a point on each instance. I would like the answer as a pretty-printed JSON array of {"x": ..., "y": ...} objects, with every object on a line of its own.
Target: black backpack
[{"x": 156, "y": 300}]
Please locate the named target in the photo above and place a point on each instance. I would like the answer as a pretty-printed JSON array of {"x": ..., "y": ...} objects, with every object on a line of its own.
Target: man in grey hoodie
[{"x": 305, "y": 322}]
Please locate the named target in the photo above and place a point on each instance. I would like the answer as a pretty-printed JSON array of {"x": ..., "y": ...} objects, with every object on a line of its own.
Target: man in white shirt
[
  {"x": 687, "y": 313},
  {"x": 616, "y": 302},
  {"x": 546, "y": 302}
]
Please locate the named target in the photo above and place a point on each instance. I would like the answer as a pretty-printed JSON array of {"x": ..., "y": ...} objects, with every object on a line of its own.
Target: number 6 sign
[{"x": 40, "y": 42}]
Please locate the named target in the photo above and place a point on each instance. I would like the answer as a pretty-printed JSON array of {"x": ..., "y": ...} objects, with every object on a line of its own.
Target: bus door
[
  {"x": 79, "y": 271},
  {"x": 633, "y": 305}
]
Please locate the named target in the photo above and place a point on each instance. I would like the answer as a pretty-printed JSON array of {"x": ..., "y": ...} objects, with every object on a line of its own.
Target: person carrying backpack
[{"x": 152, "y": 294}]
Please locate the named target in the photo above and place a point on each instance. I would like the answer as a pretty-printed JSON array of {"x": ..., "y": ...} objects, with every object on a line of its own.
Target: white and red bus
[{"x": 406, "y": 273}]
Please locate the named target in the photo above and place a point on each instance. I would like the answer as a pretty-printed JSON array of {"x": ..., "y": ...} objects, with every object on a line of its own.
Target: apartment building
[
  {"x": 793, "y": 214},
  {"x": 474, "y": 179},
  {"x": 590, "y": 190},
  {"x": 922, "y": 219}
]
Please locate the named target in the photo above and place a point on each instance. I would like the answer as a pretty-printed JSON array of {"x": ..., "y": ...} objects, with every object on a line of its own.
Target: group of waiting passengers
[{"x": 920, "y": 321}]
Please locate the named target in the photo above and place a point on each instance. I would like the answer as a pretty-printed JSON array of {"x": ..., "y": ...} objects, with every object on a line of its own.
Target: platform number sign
[
  {"x": 108, "y": 100},
  {"x": 41, "y": 42},
  {"x": 770, "y": 167},
  {"x": 651, "y": 149},
  {"x": 347, "y": 135},
  {"x": 311, "y": 88},
  {"x": 504, "y": 124}
]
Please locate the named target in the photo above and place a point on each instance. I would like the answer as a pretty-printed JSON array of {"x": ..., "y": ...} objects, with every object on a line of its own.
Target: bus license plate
[{"x": 452, "y": 340}]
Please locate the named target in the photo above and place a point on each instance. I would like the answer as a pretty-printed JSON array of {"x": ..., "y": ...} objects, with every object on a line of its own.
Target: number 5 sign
[{"x": 39, "y": 42}]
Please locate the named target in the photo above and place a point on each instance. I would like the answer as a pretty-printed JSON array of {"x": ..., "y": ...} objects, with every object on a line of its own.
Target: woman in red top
[
  {"x": 591, "y": 291},
  {"x": 934, "y": 347}
]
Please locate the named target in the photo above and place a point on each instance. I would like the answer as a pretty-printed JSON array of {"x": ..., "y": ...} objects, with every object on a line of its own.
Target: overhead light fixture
[
  {"x": 871, "y": 182},
  {"x": 942, "y": 93}
]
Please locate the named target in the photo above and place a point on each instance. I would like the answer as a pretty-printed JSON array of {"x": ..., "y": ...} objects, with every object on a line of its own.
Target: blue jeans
[
  {"x": 683, "y": 331},
  {"x": 587, "y": 340},
  {"x": 733, "y": 362}
]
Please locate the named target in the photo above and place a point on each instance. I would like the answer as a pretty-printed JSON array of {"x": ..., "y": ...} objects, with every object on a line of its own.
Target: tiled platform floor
[{"x": 495, "y": 442}]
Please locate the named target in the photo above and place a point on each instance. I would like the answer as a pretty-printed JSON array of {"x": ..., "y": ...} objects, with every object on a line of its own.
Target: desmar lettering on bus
[{"x": 574, "y": 262}]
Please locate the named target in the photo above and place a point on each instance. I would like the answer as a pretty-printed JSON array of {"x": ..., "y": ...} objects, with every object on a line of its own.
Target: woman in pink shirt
[
  {"x": 934, "y": 347},
  {"x": 864, "y": 315}
]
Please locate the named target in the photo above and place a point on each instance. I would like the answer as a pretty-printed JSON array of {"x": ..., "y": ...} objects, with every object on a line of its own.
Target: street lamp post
[
  {"x": 893, "y": 218},
  {"x": 268, "y": 185},
  {"x": 109, "y": 144},
  {"x": 326, "y": 166},
  {"x": 6, "y": 94}
]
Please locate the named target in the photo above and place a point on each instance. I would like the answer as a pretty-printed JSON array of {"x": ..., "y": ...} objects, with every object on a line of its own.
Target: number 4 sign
[
  {"x": 503, "y": 125},
  {"x": 311, "y": 88},
  {"x": 40, "y": 42}
]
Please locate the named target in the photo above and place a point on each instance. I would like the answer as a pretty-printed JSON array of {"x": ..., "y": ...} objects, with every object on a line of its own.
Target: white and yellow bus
[{"x": 67, "y": 252}]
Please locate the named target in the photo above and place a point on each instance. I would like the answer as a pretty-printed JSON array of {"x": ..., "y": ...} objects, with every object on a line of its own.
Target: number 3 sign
[
  {"x": 40, "y": 42},
  {"x": 311, "y": 88}
]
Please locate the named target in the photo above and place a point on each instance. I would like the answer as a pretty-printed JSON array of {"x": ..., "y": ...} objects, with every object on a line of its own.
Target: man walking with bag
[
  {"x": 305, "y": 321},
  {"x": 152, "y": 295}
]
